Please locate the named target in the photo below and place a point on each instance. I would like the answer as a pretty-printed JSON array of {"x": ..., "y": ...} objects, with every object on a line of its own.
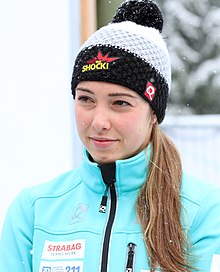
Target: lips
[{"x": 102, "y": 142}]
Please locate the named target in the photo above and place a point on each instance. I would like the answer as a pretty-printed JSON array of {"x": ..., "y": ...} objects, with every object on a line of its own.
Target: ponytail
[{"x": 159, "y": 207}]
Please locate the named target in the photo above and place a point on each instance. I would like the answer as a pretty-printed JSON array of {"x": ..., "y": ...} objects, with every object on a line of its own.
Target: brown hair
[{"x": 159, "y": 207}]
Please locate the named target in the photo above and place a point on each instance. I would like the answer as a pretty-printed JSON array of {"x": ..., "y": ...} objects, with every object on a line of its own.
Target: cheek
[
  {"x": 131, "y": 130},
  {"x": 141, "y": 130},
  {"x": 125, "y": 127},
  {"x": 81, "y": 119}
]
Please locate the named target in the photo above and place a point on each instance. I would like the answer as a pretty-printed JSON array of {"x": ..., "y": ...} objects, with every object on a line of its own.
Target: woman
[{"x": 128, "y": 207}]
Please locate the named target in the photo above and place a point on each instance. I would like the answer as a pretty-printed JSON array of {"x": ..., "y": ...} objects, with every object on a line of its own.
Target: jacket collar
[{"x": 130, "y": 173}]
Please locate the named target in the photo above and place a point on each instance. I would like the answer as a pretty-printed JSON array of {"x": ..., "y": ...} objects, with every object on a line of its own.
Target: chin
[{"x": 103, "y": 159}]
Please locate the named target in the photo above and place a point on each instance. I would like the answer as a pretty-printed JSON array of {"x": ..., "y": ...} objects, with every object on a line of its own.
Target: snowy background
[
  {"x": 192, "y": 32},
  {"x": 39, "y": 40},
  {"x": 198, "y": 140}
]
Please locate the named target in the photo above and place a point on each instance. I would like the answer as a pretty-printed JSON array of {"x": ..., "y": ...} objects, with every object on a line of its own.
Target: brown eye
[
  {"x": 122, "y": 103},
  {"x": 84, "y": 98}
]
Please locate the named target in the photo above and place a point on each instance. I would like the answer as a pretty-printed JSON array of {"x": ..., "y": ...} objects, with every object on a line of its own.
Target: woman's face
[{"x": 113, "y": 121}]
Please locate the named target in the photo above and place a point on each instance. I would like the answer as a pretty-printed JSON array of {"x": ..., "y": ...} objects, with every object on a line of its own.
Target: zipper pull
[
  {"x": 103, "y": 205},
  {"x": 130, "y": 257},
  {"x": 108, "y": 176}
]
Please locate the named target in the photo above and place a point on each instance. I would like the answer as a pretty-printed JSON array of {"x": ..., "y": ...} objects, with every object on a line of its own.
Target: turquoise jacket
[{"x": 85, "y": 221}]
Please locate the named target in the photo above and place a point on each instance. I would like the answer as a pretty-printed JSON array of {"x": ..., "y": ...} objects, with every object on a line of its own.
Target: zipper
[
  {"x": 107, "y": 235},
  {"x": 103, "y": 205},
  {"x": 130, "y": 257},
  {"x": 108, "y": 175}
]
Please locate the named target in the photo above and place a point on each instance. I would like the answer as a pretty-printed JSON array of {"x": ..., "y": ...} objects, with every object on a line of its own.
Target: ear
[{"x": 153, "y": 117}]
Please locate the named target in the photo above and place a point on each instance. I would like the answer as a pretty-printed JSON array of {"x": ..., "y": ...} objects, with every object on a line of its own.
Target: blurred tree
[
  {"x": 192, "y": 33},
  {"x": 105, "y": 11},
  {"x": 192, "y": 29}
]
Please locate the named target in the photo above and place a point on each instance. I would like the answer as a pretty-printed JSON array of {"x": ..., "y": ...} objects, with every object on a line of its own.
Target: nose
[{"x": 101, "y": 119}]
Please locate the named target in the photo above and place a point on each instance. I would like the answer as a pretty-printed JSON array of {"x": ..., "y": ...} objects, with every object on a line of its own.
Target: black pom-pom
[{"x": 142, "y": 12}]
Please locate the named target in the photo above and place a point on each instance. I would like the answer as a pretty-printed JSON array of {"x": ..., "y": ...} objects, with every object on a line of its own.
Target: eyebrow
[
  {"x": 84, "y": 90},
  {"x": 111, "y": 94},
  {"x": 121, "y": 94}
]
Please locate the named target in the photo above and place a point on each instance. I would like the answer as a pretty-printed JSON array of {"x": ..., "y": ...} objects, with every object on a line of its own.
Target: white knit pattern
[{"x": 144, "y": 42}]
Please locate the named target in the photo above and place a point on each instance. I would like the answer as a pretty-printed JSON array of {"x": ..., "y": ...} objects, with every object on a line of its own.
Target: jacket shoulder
[
  {"x": 195, "y": 190},
  {"x": 198, "y": 197},
  {"x": 56, "y": 187}
]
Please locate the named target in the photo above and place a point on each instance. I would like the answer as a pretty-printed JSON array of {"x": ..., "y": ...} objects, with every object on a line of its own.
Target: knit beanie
[{"x": 129, "y": 51}]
